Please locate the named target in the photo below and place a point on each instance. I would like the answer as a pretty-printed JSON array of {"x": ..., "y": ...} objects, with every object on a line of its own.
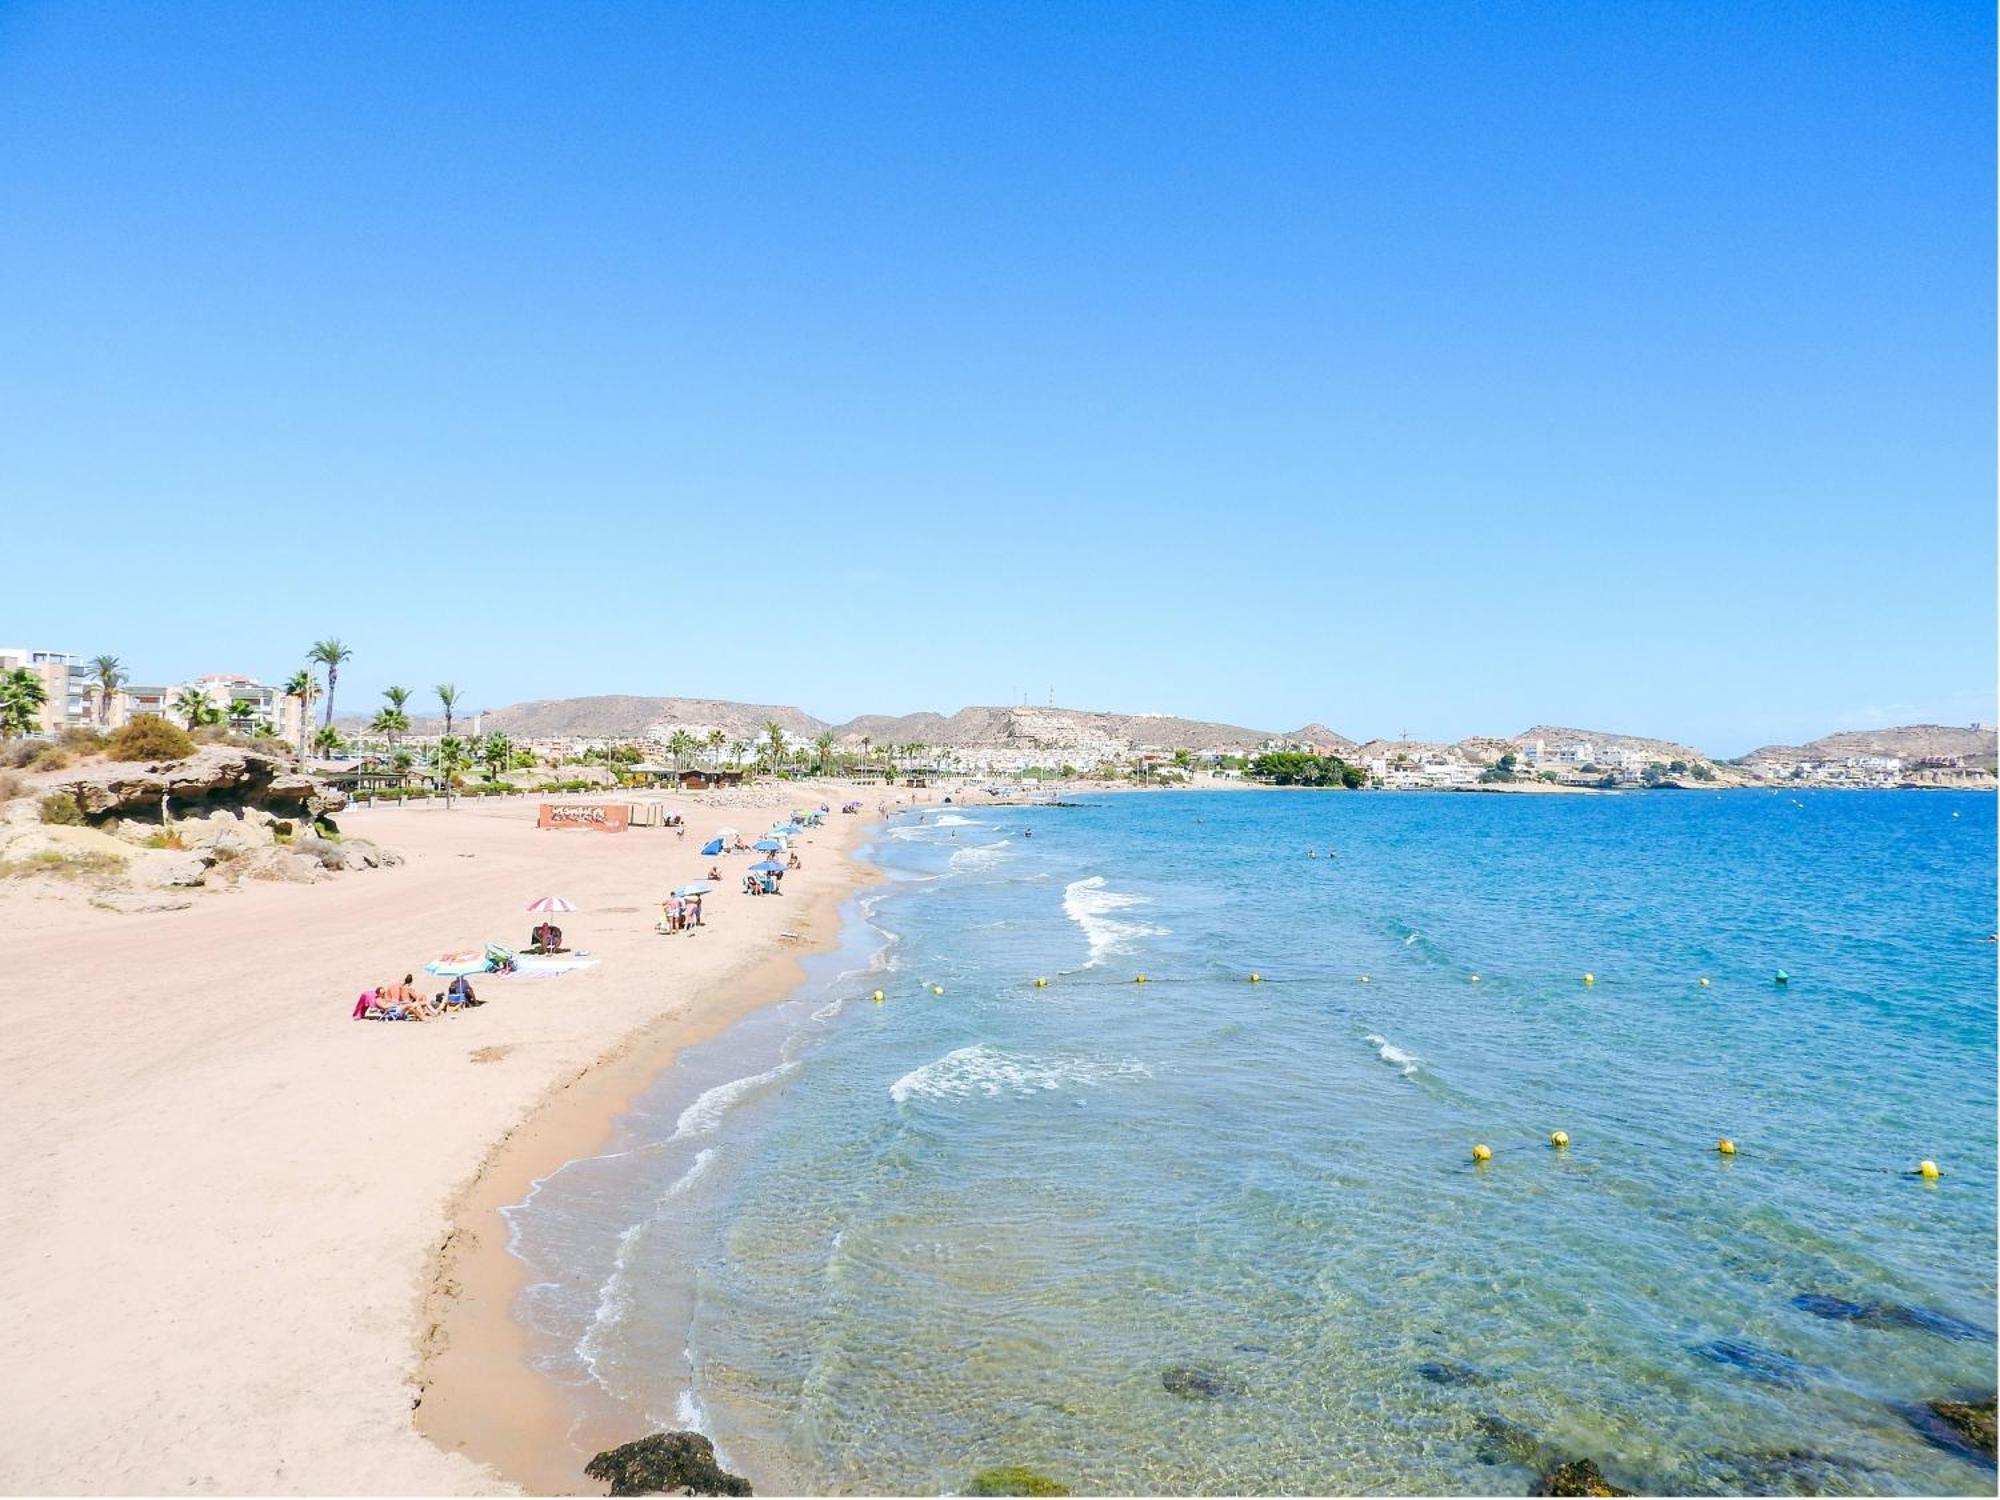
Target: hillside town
[{"x": 45, "y": 693}]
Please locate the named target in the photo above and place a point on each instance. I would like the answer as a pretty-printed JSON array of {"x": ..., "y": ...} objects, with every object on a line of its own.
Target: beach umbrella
[
  {"x": 725, "y": 833},
  {"x": 551, "y": 903},
  {"x": 713, "y": 846},
  {"x": 451, "y": 965},
  {"x": 767, "y": 867},
  {"x": 694, "y": 888},
  {"x": 767, "y": 845}
]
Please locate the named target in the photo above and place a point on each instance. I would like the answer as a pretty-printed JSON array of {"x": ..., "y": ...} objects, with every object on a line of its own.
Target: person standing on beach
[{"x": 694, "y": 912}]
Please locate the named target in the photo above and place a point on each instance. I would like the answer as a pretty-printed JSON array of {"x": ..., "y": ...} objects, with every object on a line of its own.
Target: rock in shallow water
[
  {"x": 663, "y": 1464},
  {"x": 1192, "y": 1384},
  {"x": 1890, "y": 1315},
  {"x": 1013, "y": 1479},
  {"x": 1577, "y": 1477},
  {"x": 1759, "y": 1364},
  {"x": 1450, "y": 1372},
  {"x": 1961, "y": 1427}
]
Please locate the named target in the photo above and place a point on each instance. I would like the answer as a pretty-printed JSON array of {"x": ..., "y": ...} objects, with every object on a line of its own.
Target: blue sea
[{"x": 1208, "y": 1234}]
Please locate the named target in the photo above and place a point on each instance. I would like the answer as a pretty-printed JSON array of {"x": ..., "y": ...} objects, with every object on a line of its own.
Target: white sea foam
[
  {"x": 1393, "y": 1055},
  {"x": 984, "y": 1070},
  {"x": 980, "y": 856},
  {"x": 704, "y": 1115},
  {"x": 689, "y": 1414},
  {"x": 1090, "y": 905},
  {"x": 953, "y": 820}
]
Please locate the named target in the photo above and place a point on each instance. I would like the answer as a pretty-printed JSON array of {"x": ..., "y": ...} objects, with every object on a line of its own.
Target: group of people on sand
[
  {"x": 680, "y": 914},
  {"x": 405, "y": 1002}
]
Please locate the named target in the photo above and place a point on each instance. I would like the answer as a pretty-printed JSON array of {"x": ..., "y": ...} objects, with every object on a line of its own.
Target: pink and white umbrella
[{"x": 551, "y": 903}]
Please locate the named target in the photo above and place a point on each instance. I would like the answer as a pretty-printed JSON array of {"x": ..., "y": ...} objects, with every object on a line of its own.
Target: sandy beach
[{"x": 250, "y": 1242}]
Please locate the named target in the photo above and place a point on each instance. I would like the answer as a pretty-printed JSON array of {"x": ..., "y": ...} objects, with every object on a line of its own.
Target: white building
[{"x": 67, "y": 693}]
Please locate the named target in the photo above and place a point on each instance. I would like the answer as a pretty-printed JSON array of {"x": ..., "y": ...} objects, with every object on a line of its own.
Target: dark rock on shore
[
  {"x": 1192, "y": 1384},
  {"x": 1961, "y": 1427},
  {"x": 1890, "y": 1315},
  {"x": 1759, "y": 1364},
  {"x": 1577, "y": 1477},
  {"x": 1013, "y": 1479},
  {"x": 666, "y": 1463},
  {"x": 1450, "y": 1372}
]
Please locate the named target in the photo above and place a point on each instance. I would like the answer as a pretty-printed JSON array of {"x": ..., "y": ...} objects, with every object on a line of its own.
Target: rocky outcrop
[
  {"x": 1577, "y": 1477},
  {"x": 214, "y": 776},
  {"x": 667, "y": 1463}
]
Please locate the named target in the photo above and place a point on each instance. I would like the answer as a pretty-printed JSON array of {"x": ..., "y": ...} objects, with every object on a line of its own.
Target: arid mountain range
[{"x": 1069, "y": 729}]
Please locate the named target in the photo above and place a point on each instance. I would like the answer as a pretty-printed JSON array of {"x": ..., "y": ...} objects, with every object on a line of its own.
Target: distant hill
[
  {"x": 1318, "y": 734},
  {"x": 621, "y": 717},
  {"x": 1049, "y": 729},
  {"x": 1975, "y": 745},
  {"x": 1553, "y": 735}
]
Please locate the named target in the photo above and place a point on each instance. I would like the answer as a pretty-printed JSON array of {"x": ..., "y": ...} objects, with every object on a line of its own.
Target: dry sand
[{"x": 227, "y": 1260}]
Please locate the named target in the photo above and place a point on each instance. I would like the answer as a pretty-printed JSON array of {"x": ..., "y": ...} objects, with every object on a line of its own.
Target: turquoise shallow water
[{"x": 876, "y": 1248}]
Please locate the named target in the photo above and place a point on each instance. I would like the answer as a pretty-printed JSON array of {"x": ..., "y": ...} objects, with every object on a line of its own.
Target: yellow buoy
[
  {"x": 878, "y": 997},
  {"x": 1928, "y": 1170},
  {"x": 1590, "y": 979},
  {"x": 1726, "y": 1146},
  {"x": 1365, "y": 979},
  {"x": 1041, "y": 984},
  {"x": 1256, "y": 978},
  {"x": 1704, "y": 981},
  {"x": 1559, "y": 1139},
  {"x": 1475, "y": 979},
  {"x": 937, "y": 989},
  {"x": 1482, "y": 1153},
  {"x": 1138, "y": 978}
]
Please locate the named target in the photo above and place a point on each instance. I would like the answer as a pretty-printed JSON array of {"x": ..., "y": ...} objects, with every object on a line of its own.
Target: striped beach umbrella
[{"x": 551, "y": 903}]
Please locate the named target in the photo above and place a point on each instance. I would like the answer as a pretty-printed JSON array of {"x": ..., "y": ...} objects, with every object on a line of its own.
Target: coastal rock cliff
[{"x": 217, "y": 775}]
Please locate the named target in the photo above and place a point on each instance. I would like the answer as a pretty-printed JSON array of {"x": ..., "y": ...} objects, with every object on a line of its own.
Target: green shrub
[
  {"x": 149, "y": 737},
  {"x": 81, "y": 740},
  {"x": 165, "y": 839},
  {"x": 60, "y": 807},
  {"x": 49, "y": 758},
  {"x": 71, "y": 864}
]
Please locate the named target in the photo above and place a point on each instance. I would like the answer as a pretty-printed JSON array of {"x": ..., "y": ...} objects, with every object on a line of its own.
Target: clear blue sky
[{"x": 1440, "y": 366}]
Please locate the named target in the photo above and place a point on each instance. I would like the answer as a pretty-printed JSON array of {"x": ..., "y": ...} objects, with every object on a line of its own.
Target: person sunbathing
[
  {"x": 715, "y": 872},
  {"x": 410, "y": 1000},
  {"x": 460, "y": 992}
]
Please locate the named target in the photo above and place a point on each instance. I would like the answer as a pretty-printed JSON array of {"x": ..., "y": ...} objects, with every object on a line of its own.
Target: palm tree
[
  {"x": 110, "y": 677},
  {"x": 737, "y": 750},
  {"x": 327, "y": 741},
  {"x": 389, "y": 722},
  {"x": 196, "y": 708},
  {"x": 450, "y": 759},
  {"x": 867, "y": 748},
  {"x": 22, "y": 694},
  {"x": 448, "y": 696},
  {"x": 300, "y": 685},
  {"x": 496, "y": 753},
  {"x": 679, "y": 744},
  {"x": 242, "y": 714},
  {"x": 716, "y": 740},
  {"x": 329, "y": 653},
  {"x": 775, "y": 733},
  {"x": 824, "y": 745}
]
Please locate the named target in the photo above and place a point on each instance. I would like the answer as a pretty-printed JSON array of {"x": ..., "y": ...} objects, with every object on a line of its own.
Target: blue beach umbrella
[
  {"x": 767, "y": 867},
  {"x": 713, "y": 846},
  {"x": 767, "y": 845},
  {"x": 697, "y": 888}
]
